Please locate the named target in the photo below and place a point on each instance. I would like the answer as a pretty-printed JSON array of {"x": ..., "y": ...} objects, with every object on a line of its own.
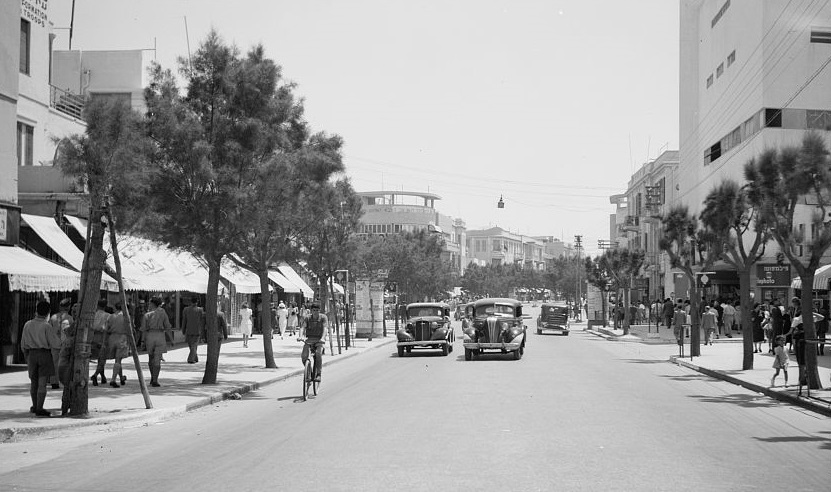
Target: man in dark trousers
[
  {"x": 37, "y": 341},
  {"x": 668, "y": 312},
  {"x": 193, "y": 321}
]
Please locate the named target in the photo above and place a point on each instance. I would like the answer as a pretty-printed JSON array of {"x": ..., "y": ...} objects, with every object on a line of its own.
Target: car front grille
[
  {"x": 494, "y": 330},
  {"x": 421, "y": 331}
]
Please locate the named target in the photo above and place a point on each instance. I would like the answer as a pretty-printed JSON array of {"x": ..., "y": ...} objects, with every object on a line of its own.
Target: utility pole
[{"x": 578, "y": 245}]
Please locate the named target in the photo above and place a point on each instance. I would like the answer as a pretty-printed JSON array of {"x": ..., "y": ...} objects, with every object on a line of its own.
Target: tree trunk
[
  {"x": 695, "y": 319},
  {"x": 811, "y": 371},
  {"x": 78, "y": 385},
  {"x": 626, "y": 302},
  {"x": 268, "y": 349},
  {"x": 212, "y": 362},
  {"x": 746, "y": 318},
  {"x": 126, "y": 310}
]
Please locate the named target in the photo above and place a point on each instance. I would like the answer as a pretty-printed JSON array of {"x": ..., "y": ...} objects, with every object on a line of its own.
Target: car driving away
[
  {"x": 427, "y": 325},
  {"x": 553, "y": 318},
  {"x": 497, "y": 325}
]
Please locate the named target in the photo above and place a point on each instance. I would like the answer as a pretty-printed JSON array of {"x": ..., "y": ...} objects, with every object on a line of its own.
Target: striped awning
[
  {"x": 29, "y": 272},
  {"x": 821, "y": 277}
]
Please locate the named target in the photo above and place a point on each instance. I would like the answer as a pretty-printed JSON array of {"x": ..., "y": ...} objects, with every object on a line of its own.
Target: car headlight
[{"x": 433, "y": 325}]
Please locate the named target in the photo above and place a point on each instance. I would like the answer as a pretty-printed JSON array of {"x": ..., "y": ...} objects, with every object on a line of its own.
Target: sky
[{"x": 550, "y": 104}]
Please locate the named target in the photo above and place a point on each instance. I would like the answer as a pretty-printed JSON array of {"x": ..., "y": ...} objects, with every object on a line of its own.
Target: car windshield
[
  {"x": 418, "y": 312},
  {"x": 494, "y": 309},
  {"x": 555, "y": 309}
]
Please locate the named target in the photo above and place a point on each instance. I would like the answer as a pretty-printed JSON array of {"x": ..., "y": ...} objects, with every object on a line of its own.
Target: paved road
[{"x": 576, "y": 413}]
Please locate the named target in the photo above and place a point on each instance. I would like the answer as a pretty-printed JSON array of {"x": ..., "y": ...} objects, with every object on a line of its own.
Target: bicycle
[{"x": 309, "y": 371}]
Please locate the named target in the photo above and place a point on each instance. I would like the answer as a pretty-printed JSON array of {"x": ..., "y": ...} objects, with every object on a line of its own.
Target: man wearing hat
[
  {"x": 60, "y": 321},
  {"x": 315, "y": 331}
]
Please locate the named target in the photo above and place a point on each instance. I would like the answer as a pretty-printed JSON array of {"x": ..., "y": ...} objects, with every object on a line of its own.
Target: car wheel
[
  {"x": 444, "y": 349},
  {"x": 409, "y": 350},
  {"x": 468, "y": 354},
  {"x": 539, "y": 332},
  {"x": 518, "y": 353},
  {"x": 401, "y": 351}
]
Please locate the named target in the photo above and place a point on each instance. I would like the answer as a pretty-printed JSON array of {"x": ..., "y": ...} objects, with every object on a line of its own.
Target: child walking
[{"x": 780, "y": 360}]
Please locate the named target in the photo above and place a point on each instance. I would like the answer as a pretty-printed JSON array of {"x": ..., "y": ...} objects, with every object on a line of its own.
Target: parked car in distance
[
  {"x": 427, "y": 325},
  {"x": 553, "y": 317},
  {"x": 497, "y": 324}
]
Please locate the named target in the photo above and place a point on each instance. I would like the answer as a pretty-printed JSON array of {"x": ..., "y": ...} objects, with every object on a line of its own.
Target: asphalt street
[{"x": 576, "y": 413}]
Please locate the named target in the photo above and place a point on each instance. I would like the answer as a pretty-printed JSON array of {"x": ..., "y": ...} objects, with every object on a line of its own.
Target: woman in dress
[
  {"x": 245, "y": 323},
  {"x": 758, "y": 332},
  {"x": 292, "y": 326}
]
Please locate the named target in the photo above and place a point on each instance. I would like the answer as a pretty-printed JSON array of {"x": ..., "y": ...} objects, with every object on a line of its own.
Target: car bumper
[
  {"x": 492, "y": 346},
  {"x": 430, "y": 343},
  {"x": 559, "y": 329}
]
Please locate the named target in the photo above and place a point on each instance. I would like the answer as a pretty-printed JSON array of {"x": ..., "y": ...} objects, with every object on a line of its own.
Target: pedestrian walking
[
  {"x": 245, "y": 323},
  {"x": 729, "y": 317},
  {"x": 679, "y": 319},
  {"x": 99, "y": 330},
  {"x": 720, "y": 320},
  {"x": 154, "y": 327},
  {"x": 780, "y": 360},
  {"x": 668, "y": 312},
  {"x": 292, "y": 321},
  {"x": 221, "y": 325},
  {"x": 798, "y": 339},
  {"x": 822, "y": 330},
  {"x": 193, "y": 323},
  {"x": 37, "y": 341},
  {"x": 60, "y": 322},
  {"x": 116, "y": 344},
  {"x": 757, "y": 319},
  {"x": 282, "y": 318},
  {"x": 777, "y": 322},
  {"x": 708, "y": 324}
]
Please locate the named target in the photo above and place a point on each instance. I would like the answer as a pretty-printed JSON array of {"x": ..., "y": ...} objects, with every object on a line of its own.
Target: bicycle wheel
[
  {"x": 307, "y": 379},
  {"x": 315, "y": 385}
]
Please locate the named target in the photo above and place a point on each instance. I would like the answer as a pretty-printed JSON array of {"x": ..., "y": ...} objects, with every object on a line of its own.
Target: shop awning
[
  {"x": 287, "y": 285},
  {"x": 29, "y": 272},
  {"x": 821, "y": 277},
  {"x": 290, "y": 274},
  {"x": 338, "y": 288},
  {"x": 48, "y": 230},
  {"x": 245, "y": 281},
  {"x": 79, "y": 224},
  {"x": 151, "y": 266}
]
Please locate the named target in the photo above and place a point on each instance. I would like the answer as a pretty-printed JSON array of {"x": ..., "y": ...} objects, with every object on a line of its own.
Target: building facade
[
  {"x": 393, "y": 212},
  {"x": 496, "y": 246}
]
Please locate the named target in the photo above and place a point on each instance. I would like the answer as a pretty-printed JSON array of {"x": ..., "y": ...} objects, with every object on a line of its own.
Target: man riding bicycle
[{"x": 314, "y": 330}]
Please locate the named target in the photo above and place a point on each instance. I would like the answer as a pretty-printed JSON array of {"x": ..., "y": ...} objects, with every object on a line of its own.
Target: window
[
  {"x": 819, "y": 119},
  {"x": 709, "y": 80},
  {"x": 731, "y": 58},
  {"x": 720, "y": 70},
  {"x": 720, "y": 13},
  {"x": 712, "y": 153},
  {"x": 25, "y": 144},
  {"x": 497, "y": 245},
  {"x": 25, "y": 45},
  {"x": 773, "y": 118},
  {"x": 820, "y": 35}
]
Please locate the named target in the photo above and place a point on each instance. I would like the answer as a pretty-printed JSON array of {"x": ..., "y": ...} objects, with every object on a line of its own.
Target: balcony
[{"x": 66, "y": 102}]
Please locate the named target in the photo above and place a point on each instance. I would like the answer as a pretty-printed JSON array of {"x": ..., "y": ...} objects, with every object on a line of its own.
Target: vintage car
[
  {"x": 497, "y": 324},
  {"x": 553, "y": 317},
  {"x": 427, "y": 325}
]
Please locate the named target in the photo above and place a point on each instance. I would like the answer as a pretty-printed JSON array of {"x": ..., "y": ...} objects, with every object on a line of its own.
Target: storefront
[{"x": 772, "y": 282}]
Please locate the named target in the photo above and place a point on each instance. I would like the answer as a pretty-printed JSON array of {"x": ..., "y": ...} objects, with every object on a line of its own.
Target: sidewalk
[
  {"x": 240, "y": 370},
  {"x": 723, "y": 360}
]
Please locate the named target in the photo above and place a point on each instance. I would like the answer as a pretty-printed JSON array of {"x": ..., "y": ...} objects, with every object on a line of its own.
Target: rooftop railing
[{"x": 66, "y": 102}]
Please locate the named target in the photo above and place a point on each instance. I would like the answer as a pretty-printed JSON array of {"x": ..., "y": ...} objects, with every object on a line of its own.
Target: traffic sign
[{"x": 342, "y": 276}]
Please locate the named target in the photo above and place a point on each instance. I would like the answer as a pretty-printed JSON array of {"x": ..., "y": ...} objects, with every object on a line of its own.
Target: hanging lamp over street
[{"x": 500, "y": 203}]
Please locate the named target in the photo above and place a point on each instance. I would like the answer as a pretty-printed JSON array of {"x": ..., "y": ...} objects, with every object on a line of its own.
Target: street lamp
[{"x": 500, "y": 203}]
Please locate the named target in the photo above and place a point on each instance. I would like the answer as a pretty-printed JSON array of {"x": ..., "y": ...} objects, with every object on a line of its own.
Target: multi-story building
[
  {"x": 496, "y": 246},
  {"x": 753, "y": 76},
  {"x": 635, "y": 224},
  {"x": 554, "y": 247},
  {"x": 392, "y": 212}
]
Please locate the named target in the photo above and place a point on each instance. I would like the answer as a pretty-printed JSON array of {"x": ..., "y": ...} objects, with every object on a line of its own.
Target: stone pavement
[
  {"x": 240, "y": 370},
  {"x": 723, "y": 360}
]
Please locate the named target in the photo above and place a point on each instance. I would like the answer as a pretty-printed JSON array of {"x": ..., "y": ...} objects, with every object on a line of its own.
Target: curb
[
  {"x": 154, "y": 415},
  {"x": 777, "y": 395}
]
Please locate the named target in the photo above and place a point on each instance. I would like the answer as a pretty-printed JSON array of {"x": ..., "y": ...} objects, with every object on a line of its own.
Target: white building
[{"x": 753, "y": 76}]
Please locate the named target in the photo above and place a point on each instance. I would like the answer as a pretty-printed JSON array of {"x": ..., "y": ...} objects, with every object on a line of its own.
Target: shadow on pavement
[{"x": 745, "y": 401}]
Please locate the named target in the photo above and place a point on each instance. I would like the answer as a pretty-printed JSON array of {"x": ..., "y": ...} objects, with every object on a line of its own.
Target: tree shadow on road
[
  {"x": 742, "y": 400},
  {"x": 826, "y": 441}
]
